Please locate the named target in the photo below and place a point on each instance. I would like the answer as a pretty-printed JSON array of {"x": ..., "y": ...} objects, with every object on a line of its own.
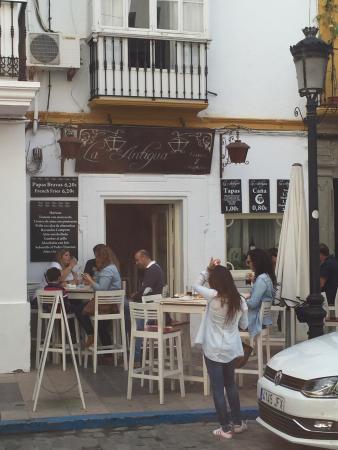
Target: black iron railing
[
  {"x": 13, "y": 39},
  {"x": 148, "y": 68}
]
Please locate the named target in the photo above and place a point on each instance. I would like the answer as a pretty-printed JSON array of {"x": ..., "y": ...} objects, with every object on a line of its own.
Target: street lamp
[{"x": 311, "y": 56}]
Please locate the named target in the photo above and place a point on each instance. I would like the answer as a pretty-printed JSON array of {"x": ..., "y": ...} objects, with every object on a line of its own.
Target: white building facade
[{"x": 187, "y": 66}]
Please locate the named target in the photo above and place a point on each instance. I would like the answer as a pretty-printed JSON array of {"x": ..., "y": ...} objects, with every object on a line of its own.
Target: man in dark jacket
[
  {"x": 153, "y": 281},
  {"x": 328, "y": 273}
]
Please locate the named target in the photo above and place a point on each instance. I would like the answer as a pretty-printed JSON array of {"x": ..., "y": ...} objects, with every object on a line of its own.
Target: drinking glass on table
[{"x": 189, "y": 290}]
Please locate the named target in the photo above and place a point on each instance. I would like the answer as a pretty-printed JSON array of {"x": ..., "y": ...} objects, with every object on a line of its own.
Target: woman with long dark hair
[
  {"x": 263, "y": 288},
  {"x": 219, "y": 335}
]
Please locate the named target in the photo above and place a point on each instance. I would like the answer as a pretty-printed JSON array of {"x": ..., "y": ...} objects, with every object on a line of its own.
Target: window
[
  {"x": 112, "y": 13},
  {"x": 138, "y": 14},
  {"x": 193, "y": 15},
  {"x": 182, "y": 16},
  {"x": 243, "y": 234},
  {"x": 167, "y": 14}
]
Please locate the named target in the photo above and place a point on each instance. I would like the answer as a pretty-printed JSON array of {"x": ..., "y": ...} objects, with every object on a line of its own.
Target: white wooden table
[
  {"x": 192, "y": 306},
  {"x": 80, "y": 293}
]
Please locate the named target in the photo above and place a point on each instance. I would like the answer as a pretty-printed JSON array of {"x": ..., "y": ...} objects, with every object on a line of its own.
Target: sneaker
[
  {"x": 222, "y": 434},
  {"x": 240, "y": 428}
]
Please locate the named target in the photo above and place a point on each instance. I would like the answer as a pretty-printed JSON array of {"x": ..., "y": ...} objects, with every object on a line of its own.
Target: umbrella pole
[{"x": 287, "y": 327}]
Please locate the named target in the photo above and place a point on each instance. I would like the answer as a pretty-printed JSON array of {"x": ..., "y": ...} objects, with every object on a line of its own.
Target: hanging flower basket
[{"x": 237, "y": 151}]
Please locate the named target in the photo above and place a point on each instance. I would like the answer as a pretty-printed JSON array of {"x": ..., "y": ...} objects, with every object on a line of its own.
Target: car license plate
[{"x": 272, "y": 399}]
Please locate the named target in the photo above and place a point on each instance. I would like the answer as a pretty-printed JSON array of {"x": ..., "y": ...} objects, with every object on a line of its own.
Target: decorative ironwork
[
  {"x": 147, "y": 68},
  {"x": 9, "y": 67},
  {"x": 13, "y": 38},
  {"x": 229, "y": 140}
]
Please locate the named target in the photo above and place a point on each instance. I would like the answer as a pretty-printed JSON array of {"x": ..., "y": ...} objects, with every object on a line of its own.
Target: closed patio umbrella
[{"x": 292, "y": 267}]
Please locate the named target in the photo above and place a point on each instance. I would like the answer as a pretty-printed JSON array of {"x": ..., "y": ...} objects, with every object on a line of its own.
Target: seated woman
[
  {"x": 263, "y": 288},
  {"x": 107, "y": 278},
  {"x": 65, "y": 263}
]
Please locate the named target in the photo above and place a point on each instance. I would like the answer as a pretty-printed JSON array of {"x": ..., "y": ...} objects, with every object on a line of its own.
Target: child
[{"x": 53, "y": 278}]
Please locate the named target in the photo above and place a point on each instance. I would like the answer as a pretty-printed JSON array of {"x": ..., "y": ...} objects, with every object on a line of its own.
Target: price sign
[
  {"x": 54, "y": 187},
  {"x": 282, "y": 193},
  {"x": 53, "y": 225},
  {"x": 231, "y": 196},
  {"x": 259, "y": 196}
]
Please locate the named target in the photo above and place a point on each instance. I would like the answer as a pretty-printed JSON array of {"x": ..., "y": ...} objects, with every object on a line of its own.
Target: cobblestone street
[{"x": 169, "y": 437}]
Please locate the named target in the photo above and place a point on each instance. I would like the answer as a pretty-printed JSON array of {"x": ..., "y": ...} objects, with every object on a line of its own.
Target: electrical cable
[
  {"x": 49, "y": 89},
  {"x": 49, "y": 17},
  {"x": 40, "y": 20}
]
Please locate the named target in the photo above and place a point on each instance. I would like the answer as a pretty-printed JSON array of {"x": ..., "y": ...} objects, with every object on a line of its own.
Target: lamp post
[{"x": 311, "y": 56}]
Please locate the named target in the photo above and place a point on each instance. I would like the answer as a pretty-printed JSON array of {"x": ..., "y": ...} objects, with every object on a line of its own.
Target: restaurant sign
[
  {"x": 259, "y": 196},
  {"x": 53, "y": 225},
  {"x": 54, "y": 187},
  {"x": 123, "y": 149},
  {"x": 231, "y": 196},
  {"x": 282, "y": 193}
]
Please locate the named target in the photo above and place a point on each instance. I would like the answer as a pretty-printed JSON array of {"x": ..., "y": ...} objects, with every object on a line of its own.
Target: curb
[{"x": 118, "y": 420}]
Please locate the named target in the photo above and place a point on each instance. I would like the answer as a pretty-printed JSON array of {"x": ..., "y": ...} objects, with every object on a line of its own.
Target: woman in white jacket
[{"x": 219, "y": 335}]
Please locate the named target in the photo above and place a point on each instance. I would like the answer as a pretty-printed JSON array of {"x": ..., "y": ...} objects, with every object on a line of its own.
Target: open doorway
[{"x": 131, "y": 227}]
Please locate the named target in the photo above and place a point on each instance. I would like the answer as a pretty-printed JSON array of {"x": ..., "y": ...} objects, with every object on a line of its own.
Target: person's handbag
[
  {"x": 89, "y": 309},
  {"x": 240, "y": 361},
  {"x": 301, "y": 311}
]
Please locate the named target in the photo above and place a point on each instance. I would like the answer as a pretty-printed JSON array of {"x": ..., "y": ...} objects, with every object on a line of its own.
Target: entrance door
[{"x": 132, "y": 227}]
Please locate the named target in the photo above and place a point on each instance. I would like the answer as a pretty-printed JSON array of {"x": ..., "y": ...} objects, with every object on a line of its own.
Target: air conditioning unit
[{"x": 53, "y": 51}]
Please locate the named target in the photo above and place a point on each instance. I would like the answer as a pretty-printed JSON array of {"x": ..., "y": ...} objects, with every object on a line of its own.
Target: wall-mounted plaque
[
  {"x": 53, "y": 225},
  {"x": 282, "y": 193},
  {"x": 231, "y": 196},
  {"x": 54, "y": 187},
  {"x": 259, "y": 196},
  {"x": 122, "y": 149}
]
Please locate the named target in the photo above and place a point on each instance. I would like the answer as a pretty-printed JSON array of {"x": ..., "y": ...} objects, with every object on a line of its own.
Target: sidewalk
[{"x": 105, "y": 394}]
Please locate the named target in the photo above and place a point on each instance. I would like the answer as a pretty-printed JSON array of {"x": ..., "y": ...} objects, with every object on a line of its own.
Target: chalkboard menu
[
  {"x": 53, "y": 225},
  {"x": 282, "y": 193},
  {"x": 123, "y": 149},
  {"x": 54, "y": 187},
  {"x": 259, "y": 196},
  {"x": 231, "y": 196}
]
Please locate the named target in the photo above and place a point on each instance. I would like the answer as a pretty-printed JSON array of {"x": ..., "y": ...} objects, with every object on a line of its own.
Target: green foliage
[{"x": 328, "y": 18}]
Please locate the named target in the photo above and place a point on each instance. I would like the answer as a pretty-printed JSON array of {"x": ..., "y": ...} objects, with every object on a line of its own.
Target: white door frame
[{"x": 176, "y": 234}]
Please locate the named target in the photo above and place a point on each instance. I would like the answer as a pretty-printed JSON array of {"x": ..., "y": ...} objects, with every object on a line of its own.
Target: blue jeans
[{"x": 222, "y": 375}]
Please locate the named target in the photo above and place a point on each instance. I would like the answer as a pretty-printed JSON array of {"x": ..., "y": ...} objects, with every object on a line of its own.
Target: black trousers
[{"x": 85, "y": 322}]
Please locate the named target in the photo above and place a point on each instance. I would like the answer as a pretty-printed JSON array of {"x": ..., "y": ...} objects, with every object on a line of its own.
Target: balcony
[
  {"x": 12, "y": 39},
  {"x": 154, "y": 71}
]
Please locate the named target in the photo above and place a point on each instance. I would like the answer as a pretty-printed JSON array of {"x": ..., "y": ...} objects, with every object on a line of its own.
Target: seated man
[
  {"x": 153, "y": 283},
  {"x": 328, "y": 273},
  {"x": 153, "y": 280}
]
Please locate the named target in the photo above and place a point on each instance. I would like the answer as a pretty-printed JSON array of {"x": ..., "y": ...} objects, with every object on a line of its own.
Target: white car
[{"x": 298, "y": 393}]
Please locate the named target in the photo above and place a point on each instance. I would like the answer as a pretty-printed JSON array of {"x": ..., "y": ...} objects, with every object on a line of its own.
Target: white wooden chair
[
  {"x": 155, "y": 334},
  {"x": 331, "y": 319},
  {"x": 45, "y": 301},
  {"x": 257, "y": 342},
  {"x": 119, "y": 343},
  {"x": 168, "y": 349}
]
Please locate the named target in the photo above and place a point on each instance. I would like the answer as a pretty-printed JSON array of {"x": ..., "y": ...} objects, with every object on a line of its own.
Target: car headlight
[{"x": 321, "y": 388}]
